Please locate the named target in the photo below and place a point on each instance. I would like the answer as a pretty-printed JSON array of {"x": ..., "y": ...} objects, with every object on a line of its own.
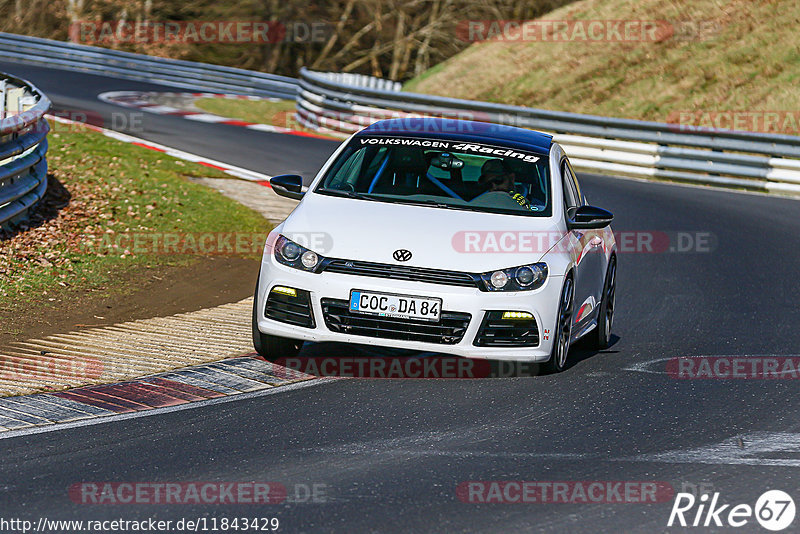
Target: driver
[{"x": 496, "y": 174}]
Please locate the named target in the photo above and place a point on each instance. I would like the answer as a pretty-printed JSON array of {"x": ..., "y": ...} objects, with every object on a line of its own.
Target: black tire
[
  {"x": 268, "y": 346},
  {"x": 600, "y": 338},
  {"x": 563, "y": 331}
]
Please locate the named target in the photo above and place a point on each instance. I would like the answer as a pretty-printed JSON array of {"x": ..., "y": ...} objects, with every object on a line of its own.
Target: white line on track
[
  {"x": 768, "y": 449},
  {"x": 755, "y": 448}
]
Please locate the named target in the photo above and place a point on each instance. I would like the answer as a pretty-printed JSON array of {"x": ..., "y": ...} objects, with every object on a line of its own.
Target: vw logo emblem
[{"x": 402, "y": 254}]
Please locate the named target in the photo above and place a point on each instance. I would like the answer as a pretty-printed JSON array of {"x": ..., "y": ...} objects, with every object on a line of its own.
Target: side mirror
[
  {"x": 588, "y": 218},
  {"x": 288, "y": 185}
]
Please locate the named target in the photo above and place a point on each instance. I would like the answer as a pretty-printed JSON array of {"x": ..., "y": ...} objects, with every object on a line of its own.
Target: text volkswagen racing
[{"x": 440, "y": 235}]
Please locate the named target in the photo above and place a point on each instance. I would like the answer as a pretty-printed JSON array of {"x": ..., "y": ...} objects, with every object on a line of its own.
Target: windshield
[{"x": 443, "y": 174}]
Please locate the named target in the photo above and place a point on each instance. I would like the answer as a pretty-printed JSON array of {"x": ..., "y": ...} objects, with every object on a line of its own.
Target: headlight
[
  {"x": 522, "y": 278},
  {"x": 309, "y": 259},
  {"x": 290, "y": 251},
  {"x": 525, "y": 276},
  {"x": 499, "y": 279},
  {"x": 291, "y": 254}
]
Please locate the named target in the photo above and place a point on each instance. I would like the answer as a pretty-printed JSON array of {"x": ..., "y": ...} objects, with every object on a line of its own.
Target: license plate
[{"x": 398, "y": 306}]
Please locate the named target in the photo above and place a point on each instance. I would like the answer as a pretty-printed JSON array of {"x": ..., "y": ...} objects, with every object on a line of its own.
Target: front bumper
[{"x": 542, "y": 303}]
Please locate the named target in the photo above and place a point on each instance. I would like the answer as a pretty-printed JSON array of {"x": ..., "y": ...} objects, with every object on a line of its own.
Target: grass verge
[{"x": 276, "y": 113}]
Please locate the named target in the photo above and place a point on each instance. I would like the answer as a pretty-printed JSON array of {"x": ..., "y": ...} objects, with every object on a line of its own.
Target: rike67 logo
[{"x": 774, "y": 510}]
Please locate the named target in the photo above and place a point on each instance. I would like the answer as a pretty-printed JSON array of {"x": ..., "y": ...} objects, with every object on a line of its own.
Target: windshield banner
[{"x": 456, "y": 146}]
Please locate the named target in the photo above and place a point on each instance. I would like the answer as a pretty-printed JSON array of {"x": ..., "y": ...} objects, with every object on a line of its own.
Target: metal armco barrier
[
  {"x": 139, "y": 67},
  {"x": 23, "y": 147},
  {"x": 759, "y": 161}
]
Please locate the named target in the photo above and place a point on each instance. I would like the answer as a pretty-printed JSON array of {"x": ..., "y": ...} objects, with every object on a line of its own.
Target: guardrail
[
  {"x": 23, "y": 147},
  {"x": 766, "y": 162},
  {"x": 173, "y": 72}
]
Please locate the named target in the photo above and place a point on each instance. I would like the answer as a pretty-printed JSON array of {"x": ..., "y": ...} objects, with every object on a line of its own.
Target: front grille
[
  {"x": 498, "y": 332},
  {"x": 403, "y": 272},
  {"x": 448, "y": 331},
  {"x": 293, "y": 310}
]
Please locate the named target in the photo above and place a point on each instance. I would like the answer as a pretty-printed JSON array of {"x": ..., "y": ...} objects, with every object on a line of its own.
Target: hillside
[{"x": 740, "y": 55}]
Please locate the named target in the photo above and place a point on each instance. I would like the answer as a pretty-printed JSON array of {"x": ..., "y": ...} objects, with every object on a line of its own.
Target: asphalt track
[{"x": 391, "y": 453}]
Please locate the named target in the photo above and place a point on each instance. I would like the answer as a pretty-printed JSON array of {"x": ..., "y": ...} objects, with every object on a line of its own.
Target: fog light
[
  {"x": 309, "y": 259},
  {"x": 284, "y": 291},
  {"x": 499, "y": 279},
  {"x": 517, "y": 315}
]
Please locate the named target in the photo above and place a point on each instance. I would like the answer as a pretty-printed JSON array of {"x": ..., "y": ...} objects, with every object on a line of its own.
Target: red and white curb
[
  {"x": 225, "y": 378},
  {"x": 232, "y": 170},
  {"x": 143, "y": 101}
]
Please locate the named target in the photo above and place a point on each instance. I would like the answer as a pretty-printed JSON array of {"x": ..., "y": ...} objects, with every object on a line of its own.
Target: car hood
[{"x": 437, "y": 238}]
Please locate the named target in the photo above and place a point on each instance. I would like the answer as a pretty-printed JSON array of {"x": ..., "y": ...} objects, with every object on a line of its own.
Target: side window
[
  {"x": 575, "y": 182},
  {"x": 570, "y": 190}
]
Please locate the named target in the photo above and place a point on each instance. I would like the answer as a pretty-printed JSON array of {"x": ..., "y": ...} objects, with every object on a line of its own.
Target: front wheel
[
  {"x": 601, "y": 337},
  {"x": 269, "y": 346},
  {"x": 561, "y": 338}
]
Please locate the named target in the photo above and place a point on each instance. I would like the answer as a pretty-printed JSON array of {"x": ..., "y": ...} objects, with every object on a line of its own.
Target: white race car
[{"x": 439, "y": 235}]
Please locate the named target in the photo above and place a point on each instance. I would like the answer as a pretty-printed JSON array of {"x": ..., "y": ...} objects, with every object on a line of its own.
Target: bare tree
[{"x": 393, "y": 38}]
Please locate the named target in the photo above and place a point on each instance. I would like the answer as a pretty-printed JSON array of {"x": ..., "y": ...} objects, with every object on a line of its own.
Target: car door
[{"x": 589, "y": 271}]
